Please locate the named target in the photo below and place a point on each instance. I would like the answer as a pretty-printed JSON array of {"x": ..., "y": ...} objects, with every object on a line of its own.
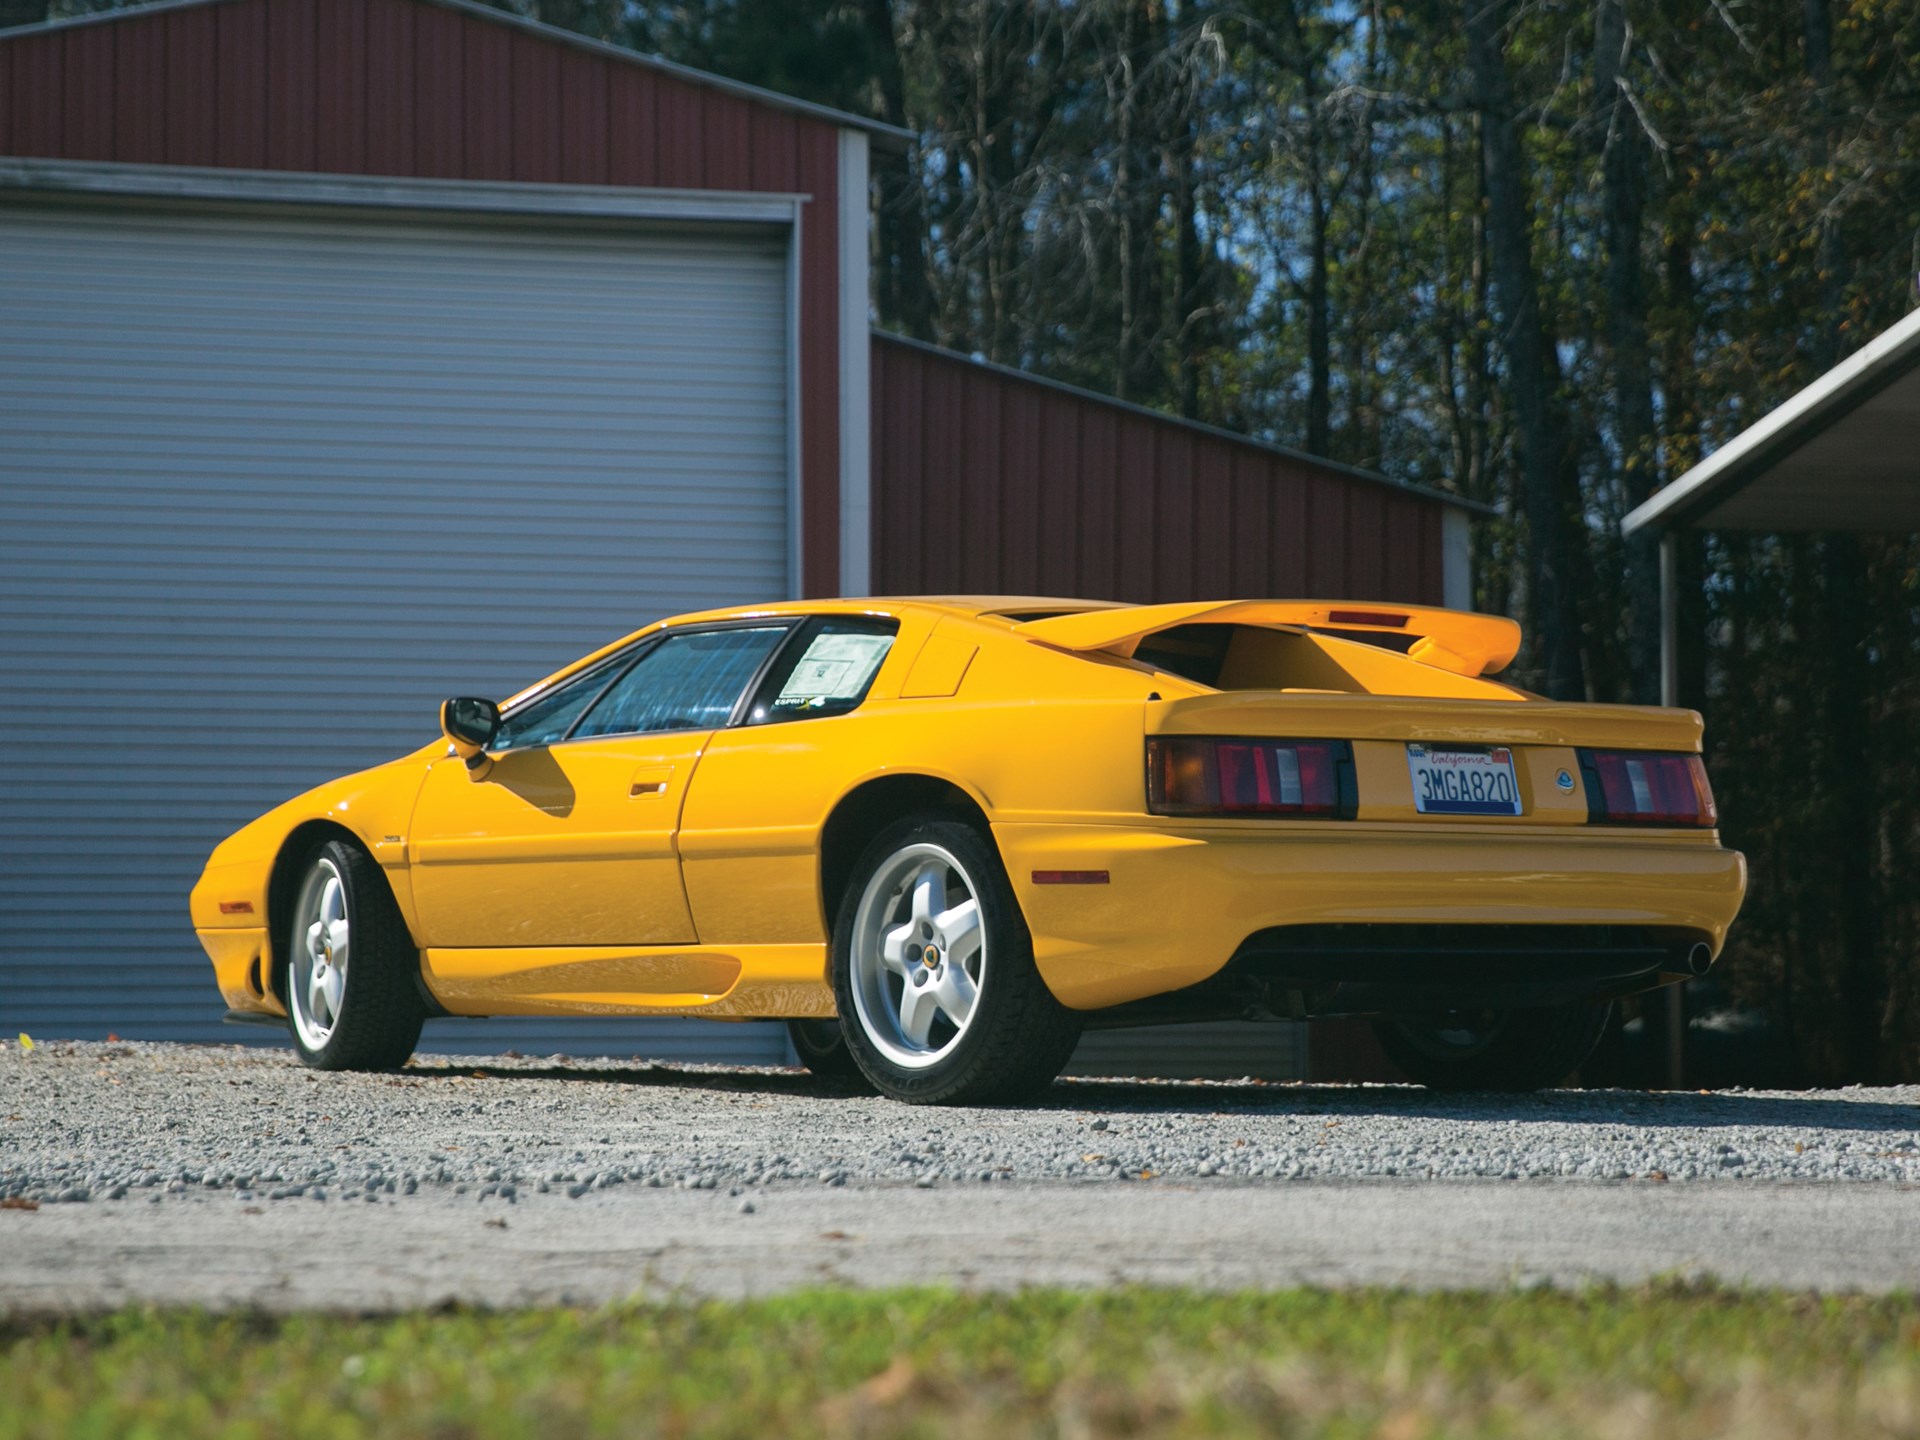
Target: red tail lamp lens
[
  {"x": 1190, "y": 775},
  {"x": 1641, "y": 787},
  {"x": 1382, "y": 618}
]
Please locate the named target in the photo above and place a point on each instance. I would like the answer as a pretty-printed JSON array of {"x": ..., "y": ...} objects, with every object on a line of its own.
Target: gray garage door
[{"x": 273, "y": 484}]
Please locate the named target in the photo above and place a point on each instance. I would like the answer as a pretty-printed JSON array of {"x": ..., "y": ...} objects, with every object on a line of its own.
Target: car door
[
  {"x": 749, "y": 842},
  {"x": 568, "y": 835}
]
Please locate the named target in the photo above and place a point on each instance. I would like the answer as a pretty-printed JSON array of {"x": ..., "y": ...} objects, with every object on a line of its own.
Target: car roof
[
  {"x": 1460, "y": 641},
  {"x": 1074, "y": 624},
  {"x": 967, "y": 605}
]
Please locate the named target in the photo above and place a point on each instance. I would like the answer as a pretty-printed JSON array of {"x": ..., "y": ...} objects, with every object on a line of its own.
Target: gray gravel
[{"x": 135, "y": 1124}]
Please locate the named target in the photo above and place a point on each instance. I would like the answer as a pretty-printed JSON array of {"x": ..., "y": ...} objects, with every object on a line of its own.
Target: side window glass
[
  {"x": 545, "y": 720},
  {"x": 829, "y": 672},
  {"x": 686, "y": 682}
]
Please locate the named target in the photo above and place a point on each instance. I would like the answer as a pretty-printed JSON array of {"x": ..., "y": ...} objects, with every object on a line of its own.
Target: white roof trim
[
  {"x": 1785, "y": 429},
  {"x": 289, "y": 187}
]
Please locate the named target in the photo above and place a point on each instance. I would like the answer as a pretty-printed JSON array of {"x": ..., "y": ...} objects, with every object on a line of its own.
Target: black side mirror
[{"x": 470, "y": 723}]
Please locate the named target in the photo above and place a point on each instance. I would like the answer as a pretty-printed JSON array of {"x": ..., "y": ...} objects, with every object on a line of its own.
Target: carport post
[{"x": 1676, "y": 998}]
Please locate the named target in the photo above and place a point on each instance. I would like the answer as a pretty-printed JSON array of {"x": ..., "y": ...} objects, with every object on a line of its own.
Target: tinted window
[
  {"x": 545, "y": 720},
  {"x": 1193, "y": 652},
  {"x": 686, "y": 682},
  {"x": 827, "y": 670}
]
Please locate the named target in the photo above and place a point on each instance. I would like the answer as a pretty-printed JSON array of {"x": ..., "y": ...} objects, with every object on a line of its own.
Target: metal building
[{"x": 354, "y": 353}]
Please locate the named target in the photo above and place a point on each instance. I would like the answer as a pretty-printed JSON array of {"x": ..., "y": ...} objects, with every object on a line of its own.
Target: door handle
[{"x": 651, "y": 780}]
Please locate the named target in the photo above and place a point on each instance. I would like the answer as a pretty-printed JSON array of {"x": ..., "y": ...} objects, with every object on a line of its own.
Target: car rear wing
[{"x": 1459, "y": 641}]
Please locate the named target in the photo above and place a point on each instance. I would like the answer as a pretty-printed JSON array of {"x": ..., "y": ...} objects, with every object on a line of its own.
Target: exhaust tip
[{"x": 1699, "y": 959}]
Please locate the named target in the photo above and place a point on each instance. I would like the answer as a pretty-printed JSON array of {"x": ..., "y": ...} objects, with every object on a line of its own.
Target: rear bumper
[
  {"x": 1180, "y": 904},
  {"x": 1319, "y": 970}
]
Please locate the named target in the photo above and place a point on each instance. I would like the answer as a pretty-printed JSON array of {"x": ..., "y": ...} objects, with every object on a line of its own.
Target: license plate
[{"x": 1463, "y": 781}]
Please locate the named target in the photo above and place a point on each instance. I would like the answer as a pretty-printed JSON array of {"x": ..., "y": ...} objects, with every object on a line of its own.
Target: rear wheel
[
  {"x": 1499, "y": 1050},
  {"x": 933, "y": 972},
  {"x": 353, "y": 1002}
]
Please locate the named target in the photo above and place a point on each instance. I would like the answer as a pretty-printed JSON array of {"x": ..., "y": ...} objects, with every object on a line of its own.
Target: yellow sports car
[{"x": 940, "y": 836}]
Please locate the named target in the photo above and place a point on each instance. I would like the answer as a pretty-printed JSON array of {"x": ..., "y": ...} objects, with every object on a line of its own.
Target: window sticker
[{"x": 835, "y": 667}]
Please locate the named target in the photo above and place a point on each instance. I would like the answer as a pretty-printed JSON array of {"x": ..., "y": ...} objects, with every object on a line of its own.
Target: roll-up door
[{"x": 274, "y": 482}]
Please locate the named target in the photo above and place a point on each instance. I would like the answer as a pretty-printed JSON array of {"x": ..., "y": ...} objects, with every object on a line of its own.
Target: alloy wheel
[
  {"x": 317, "y": 978},
  {"x": 918, "y": 956}
]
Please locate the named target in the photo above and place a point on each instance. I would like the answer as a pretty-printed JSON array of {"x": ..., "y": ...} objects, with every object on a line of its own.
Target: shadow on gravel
[
  {"x": 667, "y": 1077},
  {"x": 1642, "y": 1108}
]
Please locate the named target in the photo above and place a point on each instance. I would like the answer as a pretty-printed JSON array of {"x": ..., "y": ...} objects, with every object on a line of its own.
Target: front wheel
[
  {"x": 1505, "y": 1050},
  {"x": 933, "y": 972},
  {"x": 353, "y": 1002},
  {"x": 822, "y": 1048}
]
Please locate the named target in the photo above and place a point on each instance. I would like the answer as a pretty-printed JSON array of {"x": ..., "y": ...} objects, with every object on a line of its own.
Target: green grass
[{"x": 1651, "y": 1364}]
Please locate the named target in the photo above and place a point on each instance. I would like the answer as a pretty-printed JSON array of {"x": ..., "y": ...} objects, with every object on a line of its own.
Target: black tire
[
  {"x": 822, "y": 1048},
  {"x": 380, "y": 1010},
  {"x": 1515, "y": 1051},
  {"x": 1018, "y": 1036}
]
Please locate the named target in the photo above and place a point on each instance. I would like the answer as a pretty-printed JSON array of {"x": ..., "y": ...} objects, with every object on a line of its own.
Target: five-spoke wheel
[
  {"x": 349, "y": 971},
  {"x": 317, "y": 984},
  {"x": 919, "y": 957},
  {"x": 933, "y": 971}
]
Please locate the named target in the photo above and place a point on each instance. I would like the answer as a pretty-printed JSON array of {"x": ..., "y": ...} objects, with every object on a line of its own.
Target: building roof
[
  {"x": 1355, "y": 472},
  {"x": 1843, "y": 454},
  {"x": 891, "y": 137}
]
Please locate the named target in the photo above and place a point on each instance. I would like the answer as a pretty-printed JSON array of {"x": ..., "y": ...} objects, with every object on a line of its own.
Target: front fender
[{"x": 374, "y": 806}]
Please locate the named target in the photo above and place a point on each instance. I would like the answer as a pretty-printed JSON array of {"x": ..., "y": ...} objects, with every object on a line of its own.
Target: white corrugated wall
[{"x": 272, "y": 484}]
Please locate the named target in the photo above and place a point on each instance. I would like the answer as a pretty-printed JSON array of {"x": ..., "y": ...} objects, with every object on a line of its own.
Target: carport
[{"x": 1836, "y": 457}]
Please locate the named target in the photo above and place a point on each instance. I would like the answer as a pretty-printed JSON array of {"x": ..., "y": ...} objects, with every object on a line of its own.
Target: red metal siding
[
  {"x": 988, "y": 482},
  {"x": 410, "y": 88},
  {"x": 1212, "y": 509},
  {"x": 583, "y": 132},
  {"x": 192, "y": 119},
  {"x": 341, "y": 91},
  {"x": 34, "y": 95},
  {"x": 537, "y": 102},
  {"x": 486, "y": 104},
  {"x": 92, "y": 134},
  {"x": 393, "y": 136},
  {"x": 1021, "y": 522}
]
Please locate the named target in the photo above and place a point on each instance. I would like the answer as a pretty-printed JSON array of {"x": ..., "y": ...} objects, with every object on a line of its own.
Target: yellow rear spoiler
[{"x": 1460, "y": 641}]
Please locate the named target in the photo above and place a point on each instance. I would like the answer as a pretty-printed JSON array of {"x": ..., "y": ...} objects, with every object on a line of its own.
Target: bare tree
[{"x": 1549, "y": 483}]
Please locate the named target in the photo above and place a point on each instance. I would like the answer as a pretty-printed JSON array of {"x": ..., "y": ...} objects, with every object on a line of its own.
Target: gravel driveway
[{"x": 108, "y": 1144}]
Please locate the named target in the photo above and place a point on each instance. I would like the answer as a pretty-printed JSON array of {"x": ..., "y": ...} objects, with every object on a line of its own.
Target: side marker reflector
[
  {"x": 236, "y": 907},
  {"x": 1070, "y": 877}
]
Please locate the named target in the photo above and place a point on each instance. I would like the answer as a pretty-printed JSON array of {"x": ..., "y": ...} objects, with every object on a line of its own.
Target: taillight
[
  {"x": 1645, "y": 787},
  {"x": 1199, "y": 775}
]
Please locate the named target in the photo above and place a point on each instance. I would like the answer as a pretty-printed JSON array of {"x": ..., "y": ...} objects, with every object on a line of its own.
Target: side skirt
[{"x": 744, "y": 982}]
